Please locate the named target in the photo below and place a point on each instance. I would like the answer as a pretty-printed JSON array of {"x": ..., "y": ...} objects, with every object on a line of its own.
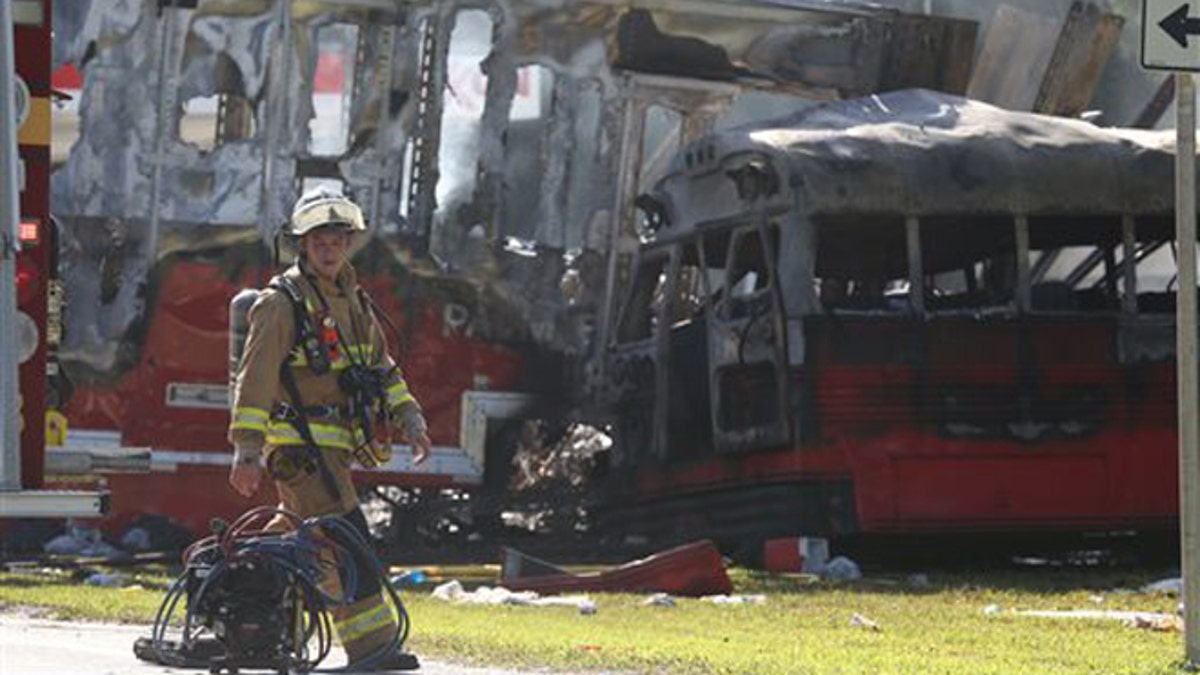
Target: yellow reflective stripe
[
  {"x": 398, "y": 394},
  {"x": 361, "y": 351},
  {"x": 254, "y": 419},
  {"x": 364, "y": 623},
  {"x": 329, "y": 435}
]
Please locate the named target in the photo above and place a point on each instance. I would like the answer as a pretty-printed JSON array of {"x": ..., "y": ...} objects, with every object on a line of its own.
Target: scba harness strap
[
  {"x": 305, "y": 331},
  {"x": 319, "y": 363}
]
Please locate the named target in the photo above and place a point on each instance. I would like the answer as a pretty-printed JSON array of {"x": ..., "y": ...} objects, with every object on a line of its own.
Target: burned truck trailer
[
  {"x": 496, "y": 148},
  {"x": 908, "y": 313}
]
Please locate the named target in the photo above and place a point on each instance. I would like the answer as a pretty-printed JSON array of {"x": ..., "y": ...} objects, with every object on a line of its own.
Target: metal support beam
[
  {"x": 52, "y": 503},
  {"x": 10, "y": 421},
  {"x": 916, "y": 266},
  {"x": 1129, "y": 265},
  {"x": 1024, "y": 274}
]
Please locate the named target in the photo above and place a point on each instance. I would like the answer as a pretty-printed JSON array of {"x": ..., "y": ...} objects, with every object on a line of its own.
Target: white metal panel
[
  {"x": 1170, "y": 35},
  {"x": 51, "y": 504}
]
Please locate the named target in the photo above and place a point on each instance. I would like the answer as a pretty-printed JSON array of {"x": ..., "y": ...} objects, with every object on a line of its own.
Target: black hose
[{"x": 293, "y": 556}]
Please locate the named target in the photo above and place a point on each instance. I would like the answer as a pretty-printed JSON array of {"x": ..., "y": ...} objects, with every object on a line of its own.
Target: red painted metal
[
  {"x": 33, "y": 59},
  {"x": 186, "y": 341},
  {"x": 1102, "y": 452}
]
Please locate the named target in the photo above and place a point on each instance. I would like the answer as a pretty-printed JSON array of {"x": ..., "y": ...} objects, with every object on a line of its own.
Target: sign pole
[
  {"x": 1185, "y": 316},
  {"x": 10, "y": 435}
]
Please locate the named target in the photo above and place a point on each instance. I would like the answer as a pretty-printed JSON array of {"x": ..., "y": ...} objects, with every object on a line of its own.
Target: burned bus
[{"x": 908, "y": 313}]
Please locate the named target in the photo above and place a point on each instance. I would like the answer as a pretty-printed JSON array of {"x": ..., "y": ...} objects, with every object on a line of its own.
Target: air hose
[{"x": 243, "y": 581}]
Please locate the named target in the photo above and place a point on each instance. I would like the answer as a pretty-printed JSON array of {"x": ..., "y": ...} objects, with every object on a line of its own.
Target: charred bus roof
[{"x": 915, "y": 153}]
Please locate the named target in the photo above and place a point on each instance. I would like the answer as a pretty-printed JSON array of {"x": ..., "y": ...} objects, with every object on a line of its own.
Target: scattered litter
[
  {"x": 860, "y": 621},
  {"x": 105, "y": 580},
  {"x": 841, "y": 567},
  {"x": 449, "y": 591},
  {"x": 452, "y": 591},
  {"x": 659, "y": 600},
  {"x": 991, "y": 609},
  {"x": 1169, "y": 586},
  {"x": 1146, "y": 620},
  {"x": 81, "y": 541},
  {"x": 409, "y": 578},
  {"x": 1098, "y": 599},
  {"x": 1165, "y": 623},
  {"x": 136, "y": 539},
  {"x": 756, "y": 599}
]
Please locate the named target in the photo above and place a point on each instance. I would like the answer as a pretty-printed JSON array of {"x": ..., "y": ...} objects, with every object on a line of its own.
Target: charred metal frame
[
  {"x": 133, "y": 191},
  {"x": 709, "y": 195}
]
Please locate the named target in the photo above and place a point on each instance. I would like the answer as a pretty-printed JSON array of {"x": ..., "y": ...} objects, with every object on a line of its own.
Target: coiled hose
[{"x": 293, "y": 555}]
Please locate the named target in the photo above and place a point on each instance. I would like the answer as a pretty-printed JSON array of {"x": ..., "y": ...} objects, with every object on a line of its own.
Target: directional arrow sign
[
  {"x": 1179, "y": 25},
  {"x": 1171, "y": 34}
]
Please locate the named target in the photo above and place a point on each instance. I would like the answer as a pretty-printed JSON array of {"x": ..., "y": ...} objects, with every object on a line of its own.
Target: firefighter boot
[
  {"x": 365, "y": 627},
  {"x": 395, "y": 661}
]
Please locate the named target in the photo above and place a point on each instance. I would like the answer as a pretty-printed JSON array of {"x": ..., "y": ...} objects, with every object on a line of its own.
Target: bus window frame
[
  {"x": 905, "y": 229},
  {"x": 656, "y": 315},
  {"x": 726, "y": 308},
  {"x": 1111, "y": 270},
  {"x": 1011, "y": 306}
]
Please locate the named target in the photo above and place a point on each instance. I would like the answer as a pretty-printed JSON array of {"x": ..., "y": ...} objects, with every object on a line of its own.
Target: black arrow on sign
[{"x": 1179, "y": 26}]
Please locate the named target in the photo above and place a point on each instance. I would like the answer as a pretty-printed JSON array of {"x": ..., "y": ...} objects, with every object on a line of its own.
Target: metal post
[
  {"x": 916, "y": 266},
  {"x": 1024, "y": 280},
  {"x": 1185, "y": 317},
  {"x": 10, "y": 422}
]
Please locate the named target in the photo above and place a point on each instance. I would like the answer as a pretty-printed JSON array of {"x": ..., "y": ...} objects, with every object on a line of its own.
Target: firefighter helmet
[{"x": 322, "y": 206}]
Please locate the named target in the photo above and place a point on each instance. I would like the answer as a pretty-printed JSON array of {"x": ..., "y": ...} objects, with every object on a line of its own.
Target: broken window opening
[
  {"x": 970, "y": 263},
  {"x": 464, "y": 99},
  {"x": 662, "y": 133},
  {"x": 640, "y": 315},
  {"x": 584, "y": 173},
  {"x": 689, "y": 398},
  {"x": 333, "y": 89},
  {"x": 312, "y": 182},
  {"x": 198, "y": 122},
  {"x": 690, "y": 297},
  {"x": 862, "y": 263},
  {"x": 1157, "y": 265},
  {"x": 1073, "y": 264},
  {"x": 747, "y": 285},
  {"x": 407, "y": 188},
  {"x": 416, "y": 147},
  {"x": 752, "y": 106},
  {"x": 527, "y": 160},
  {"x": 235, "y": 119}
]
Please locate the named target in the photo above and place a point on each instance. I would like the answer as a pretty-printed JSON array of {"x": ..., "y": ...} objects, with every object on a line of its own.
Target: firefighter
[{"x": 315, "y": 381}]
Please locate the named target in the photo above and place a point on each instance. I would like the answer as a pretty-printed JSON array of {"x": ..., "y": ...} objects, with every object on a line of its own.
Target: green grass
[
  {"x": 64, "y": 596},
  {"x": 804, "y": 626}
]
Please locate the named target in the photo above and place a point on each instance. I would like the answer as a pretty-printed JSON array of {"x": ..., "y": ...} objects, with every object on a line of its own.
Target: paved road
[{"x": 30, "y": 646}]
